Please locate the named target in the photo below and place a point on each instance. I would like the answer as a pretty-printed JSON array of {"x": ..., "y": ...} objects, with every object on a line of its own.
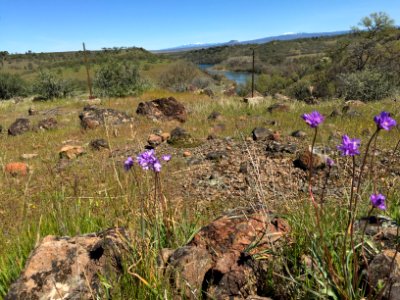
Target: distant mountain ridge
[{"x": 283, "y": 37}]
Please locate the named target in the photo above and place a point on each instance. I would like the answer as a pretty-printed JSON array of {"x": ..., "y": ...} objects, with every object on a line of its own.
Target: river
[{"x": 238, "y": 77}]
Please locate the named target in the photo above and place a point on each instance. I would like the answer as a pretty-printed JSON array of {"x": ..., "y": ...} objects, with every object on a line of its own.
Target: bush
[
  {"x": 201, "y": 82},
  {"x": 115, "y": 79},
  {"x": 49, "y": 86},
  {"x": 179, "y": 76},
  {"x": 301, "y": 90},
  {"x": 11, "y": 86},
  {"x": 365, "y": 85}
]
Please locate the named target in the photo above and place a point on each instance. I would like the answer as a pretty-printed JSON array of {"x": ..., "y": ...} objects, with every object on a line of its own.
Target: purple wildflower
[
  {"x": 148, "y": 161},
  {"x": 313, "y": 119},
  {"x": 166, "y": 157},
  {"x": 330, "y": 162},
  {"x": 128, "y": 164},
  {"x": 378, "y": 201},
  {"x": 384, "y": 121},
  {"x": 349, "y": 147}
]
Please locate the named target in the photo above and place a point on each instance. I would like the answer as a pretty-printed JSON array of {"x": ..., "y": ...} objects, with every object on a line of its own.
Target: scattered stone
[
  {"x": 165, "y": 136},
  {"x": 303, "y": 161},
  {"x": 216, "y": 155},
  {"x": 252, "y": 101},
  {"x": 32, "y": 111},
  {"x": 278, "y": 107},
  {"x": 154, "y": 140},
  {"x": 207, "y": 91},
  {"x": 28, "y": 156},
  {"x": 71, "y": 267},
  {"x": 47, "y": 124},
  {"x": 385, "y": 268},
  {"x": 181, "y": 139},
  {"x": 299, "y": 134},
  {"x": 261, "y": 133},
  {"x": 17, "y": 168},
  {"x": 219, "y": 261},
  {"x": 276, "y": 147},
  {"x": 99, "y": 144},
  {"x": 215, "y": 116},
  {"x": 20, "y": 126},
  {"x": 163, "y": 109},
  {"x": 71, "y": 152},
  {"x": 187, "y": 154},
  {"x": 92, "y": 117}
]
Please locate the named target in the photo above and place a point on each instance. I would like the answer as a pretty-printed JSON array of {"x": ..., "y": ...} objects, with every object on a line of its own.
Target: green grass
[{"x": 94, "y": 193}]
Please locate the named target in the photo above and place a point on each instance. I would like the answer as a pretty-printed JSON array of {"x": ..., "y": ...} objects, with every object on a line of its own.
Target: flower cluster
[
  {"x": 147, "y": 160},
  {"x": 384, "y": 121},
  {"x": 313, "y": 119},
  {"x": 378, "y": 201},
  {"x": 349, "y": 147}
]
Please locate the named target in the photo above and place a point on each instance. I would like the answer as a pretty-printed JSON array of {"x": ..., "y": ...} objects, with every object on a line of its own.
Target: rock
[
  {"x": 17, "y": 168},
  {"x": 71, "y": 152},
  {"x": 187, "y": 154},
  {"x": 163, "y": 109},
  {"x": 93, "y": 116},
  {"x": 261, "y": 133},
  {"x": 216, "y": 155},
  {"x": 252, "y": 101},
  {"x": 20, "y": 126},
  {"x": 181, "y": 139},
  {"x": 71, "y": 267},
  {"x": 99, "y": 144},
  {"x": 304, "y": 159},
  {"x": 32, "y": 111},
  {"x": 382, "y": 271},
  {"x": 165, "y": 136},
  {"x": 276, "y": 147},
  {"x": 219, "y": 260},
  {"x": 299, "y": 134},
  {"x": 28, "y": 156},
  {"x": 278, "y": 107},
  {"x": 215, "y": 116},
  {"x": 47, "y": 124},
  {"x": 281, "y": 97},
  {"x": 154, "y": 140}
]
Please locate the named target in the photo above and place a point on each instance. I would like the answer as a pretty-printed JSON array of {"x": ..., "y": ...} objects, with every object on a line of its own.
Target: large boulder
[
  {"x": 71, "y": 267},
  {"x": 163, "y": 109},
  {"x": 20, "y": 126},
  {"x": 219, "y": 262},
  {"x": 93, "y": 116}
]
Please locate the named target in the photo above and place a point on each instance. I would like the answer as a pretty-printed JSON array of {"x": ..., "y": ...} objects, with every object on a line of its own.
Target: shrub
[
  {"x": 179, "y": 76},
  {"x": 11, "y": 86},
  {"x": 301, "y": 90},
  {"x": 202, "y": 82},
  {"x": 365, "y": 85},
  {"x": 49, "y": 86},
  {"x": 115, "y": 79}
]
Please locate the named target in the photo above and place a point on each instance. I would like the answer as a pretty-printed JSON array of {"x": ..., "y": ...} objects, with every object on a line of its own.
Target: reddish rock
[
  {"x": 163, "y": 109},
  {"x": 154, "y": 140},
  {"x": 219, "y": 259},
  {"x": 17, "y": 168},
  {"x": 71, "y": 268}
]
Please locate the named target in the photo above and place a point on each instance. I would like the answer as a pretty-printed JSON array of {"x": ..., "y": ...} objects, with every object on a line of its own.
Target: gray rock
[{"x": 20, "y": 126}]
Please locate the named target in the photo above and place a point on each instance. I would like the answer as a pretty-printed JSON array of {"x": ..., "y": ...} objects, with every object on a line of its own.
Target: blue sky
[{"x": 62, "y": 25}]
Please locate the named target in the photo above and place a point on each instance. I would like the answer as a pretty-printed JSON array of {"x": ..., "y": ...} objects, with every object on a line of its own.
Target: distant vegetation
[{"x": 364, "y": 65}]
